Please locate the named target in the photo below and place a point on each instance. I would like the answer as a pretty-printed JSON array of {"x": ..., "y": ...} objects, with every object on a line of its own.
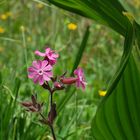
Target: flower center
[
  {"x": 81, "y": 78},
  {"x": 50, "y": 53},
  {"x": 40, "y": 72}
]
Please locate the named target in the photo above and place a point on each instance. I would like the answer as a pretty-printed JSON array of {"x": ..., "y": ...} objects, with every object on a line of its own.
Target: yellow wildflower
[
  {"x": 29, "y": 39},
  {"x": 8, "y": 14},
  {"x": 102, "y": 92},
  {"x": 22, "y": 28},
  {"x": 39, "y": 5},
  {"x": 3, "y": 16},
  {"x": 1, "y": 49},
  {"x": 2, "y": 30},
  {"x": 72, "y": 26}
]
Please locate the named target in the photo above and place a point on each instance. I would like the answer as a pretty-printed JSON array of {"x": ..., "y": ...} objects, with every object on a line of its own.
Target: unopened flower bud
[
  {"x": 69, "y": 80},
  {"x": 34, "y": 98},
  {"x": 58, "y": 86},
  {"x": 52, "y": 114},
  {"x": 32, "y": 106},
  {"x": 33, "y": 109},
  {"x": 26, "y": 104}
]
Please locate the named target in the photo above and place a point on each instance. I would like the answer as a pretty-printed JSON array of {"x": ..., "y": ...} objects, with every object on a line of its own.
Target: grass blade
[{"x": 79, "y": 55}]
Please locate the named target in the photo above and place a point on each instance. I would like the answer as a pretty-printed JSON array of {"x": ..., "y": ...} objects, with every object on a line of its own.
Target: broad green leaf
[
  {"x": 137, "y": 32},
  {"x": 128, "y": 44},
  {"x": 117, "y": 114},
  {"x": 118, "y": 117},
  {"x": 107, "y": 12}
]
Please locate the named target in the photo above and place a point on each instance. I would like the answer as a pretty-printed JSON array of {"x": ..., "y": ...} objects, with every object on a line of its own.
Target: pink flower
[
  {"x": 40, "y": 71},
  {"x": 80, "y": 82},
  {"x": 49, "y": 55}
]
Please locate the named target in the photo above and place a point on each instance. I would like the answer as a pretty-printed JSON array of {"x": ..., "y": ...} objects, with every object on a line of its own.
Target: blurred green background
[{"x": 29, "y": 25}]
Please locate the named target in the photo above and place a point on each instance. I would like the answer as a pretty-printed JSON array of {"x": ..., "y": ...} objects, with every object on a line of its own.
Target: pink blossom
[
  {"x": 49, "y": 55},
  {"x": 40, "y": 71},
  {"x": 80, "y": 82}
]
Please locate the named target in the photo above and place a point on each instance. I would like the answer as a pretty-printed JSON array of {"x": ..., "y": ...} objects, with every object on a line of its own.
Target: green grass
[{"x": 48, "y": 26}]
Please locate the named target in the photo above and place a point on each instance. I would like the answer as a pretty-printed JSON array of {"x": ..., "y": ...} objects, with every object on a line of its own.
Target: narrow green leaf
[
  {"x": 16, "y": 88},
  {"x": 79, "y": 55},
  {"x": 81, "y": 50}
]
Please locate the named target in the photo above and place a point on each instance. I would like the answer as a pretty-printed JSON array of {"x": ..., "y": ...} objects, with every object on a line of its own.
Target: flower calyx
[{"x": 33, "y": 105}]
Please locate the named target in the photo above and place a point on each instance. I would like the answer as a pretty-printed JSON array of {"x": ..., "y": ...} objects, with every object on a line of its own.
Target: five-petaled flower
[
  {"x": 80, "y": 82},
  {"x": 49, "y": 55},
  {"x": 40, "y": 71},
  {"x": 72, "y": 26}
]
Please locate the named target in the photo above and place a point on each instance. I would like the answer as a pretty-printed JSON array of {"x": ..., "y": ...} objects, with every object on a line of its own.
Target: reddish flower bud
[
  {"x": 52, "y": 114},
  {"x": 69, "y": 80},
  {"x": 26, "y": 104},
  {"x": 32, "y": 106},
  {"x": 33, "y": 109},
  {"x": 34, "y": 98},
  {"x": 57, "y": 85}
]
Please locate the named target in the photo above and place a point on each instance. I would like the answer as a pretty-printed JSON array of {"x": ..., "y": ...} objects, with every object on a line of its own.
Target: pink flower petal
[
  {"x": 81, "y": 79},
  {"x": 35, "y": 79},
  {"x": 47, "y": 50},
  {"x": 35, "y": 64},
  {"x": 40, "y": 53},
  {"x": 45, "y": 77},
  {"x": 32, "y": 75},
  {"x": 32, "y": 69},
  {"x": 48, "y": 74},
  {"x": 83, "y": 85},
  {"x": 55, "y": 55},
  {"x": 41, "y": 80},
  {"x": 44, "y": 63},
  {"x": 48, "y": 68}
]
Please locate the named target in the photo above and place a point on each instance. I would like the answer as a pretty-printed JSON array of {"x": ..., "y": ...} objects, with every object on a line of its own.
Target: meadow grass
[{"x": 31, "y": 25}]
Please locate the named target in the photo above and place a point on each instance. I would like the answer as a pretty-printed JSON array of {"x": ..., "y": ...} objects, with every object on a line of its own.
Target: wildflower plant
[{"x": 41, "y": 72}]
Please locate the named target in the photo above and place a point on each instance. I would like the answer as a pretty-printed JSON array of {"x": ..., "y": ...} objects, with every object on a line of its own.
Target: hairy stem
[
  {"x": 43, "y": 117},
  {"x": 50, "y": 125},
  {"x": 51, "y": 105},
  {"x": 51, "y": 99}
]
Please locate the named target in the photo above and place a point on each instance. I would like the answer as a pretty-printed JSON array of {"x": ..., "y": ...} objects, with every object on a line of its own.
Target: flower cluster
[{"x": 41, "y": 71}]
